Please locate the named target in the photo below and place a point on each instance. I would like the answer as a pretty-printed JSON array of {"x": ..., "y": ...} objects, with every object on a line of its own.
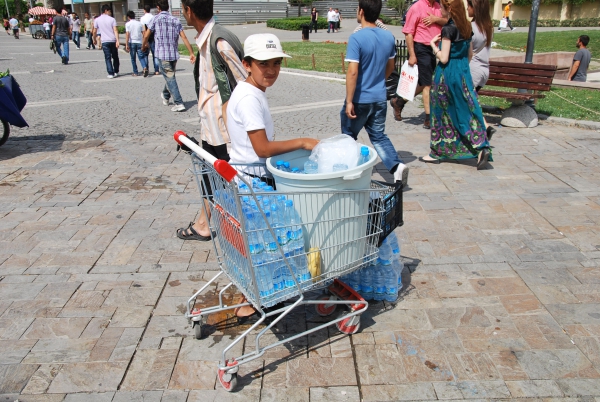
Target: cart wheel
[
  {"x": 349, "y": 325},
  {"x": 228, "y": 381},
  {"x": 323, "y": 309},
  {"x": 6, "y": 132},
  {"x": 199, "y": 329},
  {"x": 38, "y": 35}
]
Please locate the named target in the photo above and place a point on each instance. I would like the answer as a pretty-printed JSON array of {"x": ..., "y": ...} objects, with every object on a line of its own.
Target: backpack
[{"x": 225, "y": 79}]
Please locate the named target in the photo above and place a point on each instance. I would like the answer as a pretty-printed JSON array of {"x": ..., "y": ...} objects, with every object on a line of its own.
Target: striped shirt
[
  {"x": 166, "y": 30},
  {"x": 210, "y": 107}
]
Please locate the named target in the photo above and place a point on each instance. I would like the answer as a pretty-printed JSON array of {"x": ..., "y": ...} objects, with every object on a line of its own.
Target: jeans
[
  {"x": 76, "y": 38},
  {"x": 313, "y": 25},
  {"x": 110, "y": 50},
  {"x": 331, "y": 26},
  {"x": 371, "y": 116},
  {"x": 155, "y": 60},
  {"x": 47, "y": 31},
  {"x": 136, "y": 48},
  {"x": 64, "y": 42},
  {"x": 90, "y": 39},
  {"x": 167, "y": 68}
]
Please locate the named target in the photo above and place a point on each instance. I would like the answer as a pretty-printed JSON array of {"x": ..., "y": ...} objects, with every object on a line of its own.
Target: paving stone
[
  {"x": 137, "y": 396},
  {"x": 588, "y": 313},
  {"x": 403, "y": 392},
  {"x": 210, "y": 349},
  {"x": 150, "y": 370},
  {"x": 95, "y": 397},
  {"x": 41, "y": 379},
  {"x": 534, "y": 389},
  {"x": 174, "y": 396},
  {"x": 88, "y": 377},
  {"x": 296, "y": 394},
  {"x": 31, "y": 398},
  {"x": 576, "y": 387},
  {"x": 194, "y": 375},
  {"x": 250, "y": 395},
  {"x": 320, "y": 372},
  {"x": 14, "y": 377},
  {"x": 334, "y": 394},
  {"x": 43, "y": 328},
  {"x": 60, "y": 351},
  {"x": 556, "y": 364},
  {"x": 13, "y": 328}
]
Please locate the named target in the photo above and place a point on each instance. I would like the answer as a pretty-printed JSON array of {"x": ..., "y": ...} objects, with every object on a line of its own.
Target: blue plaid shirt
[{"x": 166, "y": 30}]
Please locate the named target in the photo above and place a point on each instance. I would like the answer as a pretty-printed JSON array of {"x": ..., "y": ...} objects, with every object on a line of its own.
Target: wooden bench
[{"x": 533, "y": 77}]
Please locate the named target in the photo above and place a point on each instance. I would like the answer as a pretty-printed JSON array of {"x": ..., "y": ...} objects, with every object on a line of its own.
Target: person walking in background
[
  {"x": 214, "y": 43},
  {"x": 314, "y": 16},
  {"x": 167, "y": 31},
  {"x": 330, "y": 20},
  {"x": 61, "y": 32},
  {"x": 107, "y": 25},
  {"x": 133, "y": 43},
  {"x": 46, "y": 26},
  {"x": 14, "y": 25},
  {"x": 371, "y": 59},
  {"x": 145, "y": 20},
  {"x": 581, "y": 60},
  {"x": 457, "y": 126},
  {"x": 506, "y": 15},
  {"x": 88, "y": 26},
  {"x": 481, "y": 42},
  {"x": 7, "y": 26},
  {"x": 76, "y": 23},
  {"x": 423, "y": 21},
  {"x": 337, "y": 18}
]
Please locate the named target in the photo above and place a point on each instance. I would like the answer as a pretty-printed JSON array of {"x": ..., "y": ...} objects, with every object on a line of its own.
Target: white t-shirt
[
  {"x": 331, "y": 15},
  {"x": 134, "y": 28},
  {"x": 146, "y": 19},
  {"x": 46, "y": 26},
  {"x": 247, "y": 110},
  {"x": 336, "y": 16}
]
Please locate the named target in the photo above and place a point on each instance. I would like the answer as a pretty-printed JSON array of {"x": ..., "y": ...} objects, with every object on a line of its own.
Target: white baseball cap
[{"x": 263, "y": 47}]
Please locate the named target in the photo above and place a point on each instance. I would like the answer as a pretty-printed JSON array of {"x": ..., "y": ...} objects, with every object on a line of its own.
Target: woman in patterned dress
[{"x": 457, "y": 125}]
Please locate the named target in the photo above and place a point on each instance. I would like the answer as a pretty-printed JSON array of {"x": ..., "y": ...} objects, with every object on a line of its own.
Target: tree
[
  {"x": 55, "y": 3},
  {"x": 397, "y": 5}
]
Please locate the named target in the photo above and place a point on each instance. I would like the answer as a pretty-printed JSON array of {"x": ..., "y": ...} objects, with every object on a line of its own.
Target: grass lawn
[
  {"x": 557, "y": 41},
  {"x": 553, "y": 105}
]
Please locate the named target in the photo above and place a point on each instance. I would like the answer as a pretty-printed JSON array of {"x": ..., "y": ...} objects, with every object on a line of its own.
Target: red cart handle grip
[{"x": 222, "y": 167}]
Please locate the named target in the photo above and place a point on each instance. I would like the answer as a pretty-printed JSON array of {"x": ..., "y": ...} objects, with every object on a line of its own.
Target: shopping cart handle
[{"x": 222, "y": 167}]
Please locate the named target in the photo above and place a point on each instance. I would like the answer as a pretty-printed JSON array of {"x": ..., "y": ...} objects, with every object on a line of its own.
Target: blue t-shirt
[{"x": 371, "y": 48}]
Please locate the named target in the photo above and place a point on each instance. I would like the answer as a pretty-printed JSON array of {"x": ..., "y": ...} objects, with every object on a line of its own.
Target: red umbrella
[{"x": 41, "y": 11}]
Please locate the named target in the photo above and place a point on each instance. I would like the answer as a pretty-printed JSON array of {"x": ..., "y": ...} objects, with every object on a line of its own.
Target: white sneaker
[
  {"x": 178, "y": 108},
  {"x": 110, "y": 76},
  {"x": 116, "y": 75},
  {"x": 401, "y": 174},
  {"x": 165, "y": 101},
  {"x": 514, "y": 29}
]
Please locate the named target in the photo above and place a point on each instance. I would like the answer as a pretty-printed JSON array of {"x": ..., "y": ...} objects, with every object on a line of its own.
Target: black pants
[{"x": 313, "y": 24}]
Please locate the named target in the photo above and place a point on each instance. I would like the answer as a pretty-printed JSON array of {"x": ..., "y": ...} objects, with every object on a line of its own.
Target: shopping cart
[{"x": 347, "y": 242}]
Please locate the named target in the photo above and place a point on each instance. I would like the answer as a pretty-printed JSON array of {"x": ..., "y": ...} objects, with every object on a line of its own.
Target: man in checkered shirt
[{"x": 167, "y": 31}]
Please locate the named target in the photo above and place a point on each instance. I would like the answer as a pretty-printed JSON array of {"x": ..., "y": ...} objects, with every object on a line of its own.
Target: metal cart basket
[
  {"x": 240, "y": 217},
  {"x": 37, "y": 31}
]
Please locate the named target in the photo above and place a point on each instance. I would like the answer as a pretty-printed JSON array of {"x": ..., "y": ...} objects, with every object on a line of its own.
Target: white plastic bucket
[{"x": 341, "y": 238}]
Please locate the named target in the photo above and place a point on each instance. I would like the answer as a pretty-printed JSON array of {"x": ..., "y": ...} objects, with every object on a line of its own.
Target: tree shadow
[{"x": 16, "y": 146}]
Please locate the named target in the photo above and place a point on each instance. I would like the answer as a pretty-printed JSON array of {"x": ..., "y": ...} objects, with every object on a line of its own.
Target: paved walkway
[{"x": 502, "y": 300}]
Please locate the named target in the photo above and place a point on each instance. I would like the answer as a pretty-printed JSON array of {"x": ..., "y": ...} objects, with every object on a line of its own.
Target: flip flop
[{"x": 181, "y": 233}]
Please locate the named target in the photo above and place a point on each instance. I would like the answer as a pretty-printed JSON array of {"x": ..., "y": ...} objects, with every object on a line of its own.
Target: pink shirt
[{"x": 414, "y": 25}]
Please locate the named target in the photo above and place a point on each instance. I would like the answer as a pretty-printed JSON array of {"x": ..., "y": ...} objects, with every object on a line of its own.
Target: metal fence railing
[{"x": 401, "y": 54}]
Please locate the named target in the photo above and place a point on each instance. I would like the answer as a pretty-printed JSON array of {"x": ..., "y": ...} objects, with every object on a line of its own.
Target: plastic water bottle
[
  {"x": 279, "y": 165},
  {"x": 286, "y": 166},
  {"x": 378, "y": 282},
  {"x": 264, "y": 277},
  {"x": 399, "y": 267},
  {"x": 243, "y": 188},
  {"x": 338, "y": 167},
  {"x": 353, "y": 280},
  {"x": 288, "y": 277},
  {"x": 296, "y": 237},
  {"x": 296, "y": 170},
  {"x": 385, "y": 252},
  {"x": 364, "y": 155},
  {"x": 311, "y": 167},
  {"x": 256, "y": 183},
  {"x": 392, "y": 240},
  {"x": 366, "y": 282},
  {"x": 391, "y": 283}
]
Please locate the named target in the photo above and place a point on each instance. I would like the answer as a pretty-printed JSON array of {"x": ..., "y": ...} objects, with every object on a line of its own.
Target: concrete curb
[{"x": 559, "y": 121}]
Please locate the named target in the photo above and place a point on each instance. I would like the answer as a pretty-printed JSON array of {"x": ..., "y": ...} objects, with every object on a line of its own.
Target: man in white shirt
[
  {"x": 145, "y": 21},
  {"x": 330, "y": 20},
  {"x": 110, "y": 40},
  {"x": 133, "y": 43}
]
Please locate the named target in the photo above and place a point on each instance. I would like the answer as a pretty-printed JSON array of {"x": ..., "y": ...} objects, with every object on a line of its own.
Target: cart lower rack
[{"x": 268, "y": 251}]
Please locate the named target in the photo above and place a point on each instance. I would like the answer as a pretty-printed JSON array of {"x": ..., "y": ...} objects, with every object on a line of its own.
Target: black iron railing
[{"x": 401, "y": 54}]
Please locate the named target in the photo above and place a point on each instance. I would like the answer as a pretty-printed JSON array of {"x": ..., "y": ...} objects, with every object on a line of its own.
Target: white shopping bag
[
  {"x": 409, "y": 77},
  {"x": 503, "y": 23}
]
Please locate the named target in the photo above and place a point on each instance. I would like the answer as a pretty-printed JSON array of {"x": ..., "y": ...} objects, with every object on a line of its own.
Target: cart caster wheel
[
  {"x": 324, "y": 310},
  {"x": 228, "y": 381},
  {"x": 199, "y": 330},
  {"x": 349, "y": 325}
]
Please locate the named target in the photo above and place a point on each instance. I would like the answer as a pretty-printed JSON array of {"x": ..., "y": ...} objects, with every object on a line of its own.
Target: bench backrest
[{"x": 537, "y": 77}]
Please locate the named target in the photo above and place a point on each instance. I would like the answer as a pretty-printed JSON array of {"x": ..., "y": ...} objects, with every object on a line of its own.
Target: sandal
[
  {"x": 182, "y": 233},
  {"x": 134, "y": 75},
  {"x": 244, "y": 311}
]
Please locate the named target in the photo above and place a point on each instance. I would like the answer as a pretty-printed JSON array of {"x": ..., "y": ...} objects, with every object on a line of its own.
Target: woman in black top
[{"x": 314, "y": 15}]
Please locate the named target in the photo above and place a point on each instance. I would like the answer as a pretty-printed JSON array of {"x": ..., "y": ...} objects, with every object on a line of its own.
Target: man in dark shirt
[
  {"x": 581, "y": 60},
  {"x": 61, "y": 32}
]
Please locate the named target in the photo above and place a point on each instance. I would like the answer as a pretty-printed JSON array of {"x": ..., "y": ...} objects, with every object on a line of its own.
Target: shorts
[
  {"x": 15, "y": 30},
  {"x": 219, "y": 152},
  {"x": 426, "y": 64}
]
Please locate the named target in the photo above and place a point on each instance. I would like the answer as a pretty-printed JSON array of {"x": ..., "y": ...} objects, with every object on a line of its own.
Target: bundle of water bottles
[
  {"x": 382, "y": 279},
  {"x": 270, "y": 269},
  {"x": 311, "y": 166}
]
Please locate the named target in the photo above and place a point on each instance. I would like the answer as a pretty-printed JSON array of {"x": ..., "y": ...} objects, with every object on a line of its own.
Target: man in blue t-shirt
[{"x": 371, "y": 57}]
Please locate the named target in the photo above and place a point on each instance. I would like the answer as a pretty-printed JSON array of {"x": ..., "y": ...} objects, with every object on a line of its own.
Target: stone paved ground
[{"x": 502, "y": 301}]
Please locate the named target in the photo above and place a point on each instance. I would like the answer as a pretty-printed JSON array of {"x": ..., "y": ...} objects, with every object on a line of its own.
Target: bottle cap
[
  {"x": 286, "y": 164},
  {"x": 364, "y": 150},
  {"x": 289, "y": 203},
  {"x": 279, "y": 163}
]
